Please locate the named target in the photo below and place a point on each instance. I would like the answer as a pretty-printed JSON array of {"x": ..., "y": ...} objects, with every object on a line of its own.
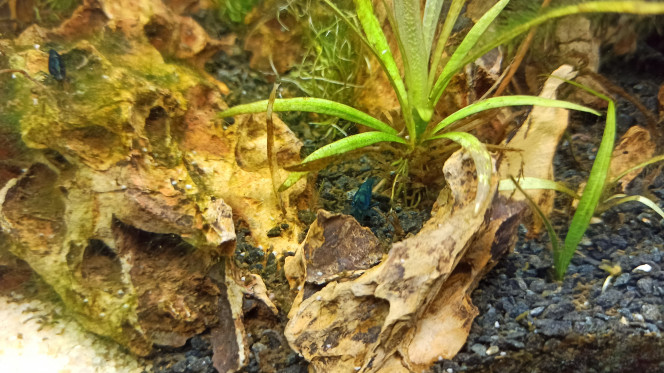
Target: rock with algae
[{"x": 127, "y": 206}]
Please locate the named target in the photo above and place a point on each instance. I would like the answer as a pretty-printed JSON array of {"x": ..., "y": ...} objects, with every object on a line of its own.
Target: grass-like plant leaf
[
  {"x": 418, "y": 97},
  {"x": 536, "y": 183},
  {"x": 339, "y": 147},
  {"x": 411, "y": 36},
  {"x": 553, "y": 236},
  {"x": 381, "y": 48},
  {"x": 637, "y": 167},
  {"x": 430, "y": 22},
  {"x": 292, "y": 178},
  {"x": 351, "y": 143},
  {"x": 591, "y": 193},
  {"x": 497, "y": 102},
  {"x": 450, "y": 20},
  {"x": 590, "y": 202},
  {"x": 455, "y": 63},
  {"x": 510, "y": 32},
  {"x": 618, "y": 199},
  {"x": 312, "y": 105}
]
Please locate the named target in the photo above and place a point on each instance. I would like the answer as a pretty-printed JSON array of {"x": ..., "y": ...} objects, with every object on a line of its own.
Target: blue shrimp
[
  {"x": 55, "y": 66},
  {"x": 361, "y": 203}
]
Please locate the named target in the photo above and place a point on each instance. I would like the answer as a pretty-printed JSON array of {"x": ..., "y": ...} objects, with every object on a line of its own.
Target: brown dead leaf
[
  {"x": 442, "y": 330},
  {"x": 336, "y": 246},
  {"x": 537, "y": 140},
  {"x": 228, "y": 337},
  {"x": 634, "y": 147},
  {"x": 257, "y": 289}
]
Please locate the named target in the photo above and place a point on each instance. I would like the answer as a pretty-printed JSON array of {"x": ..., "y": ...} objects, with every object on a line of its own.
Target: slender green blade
[
  {"x": 536, "y": 183},
  {"x": 502, "y": 101},
  {"x": 312, "y": 105},
  {"x": 380, "y": 47},
  {"x": 590, "y": 197},
  {"x": 337, "y": 148},
  {"x": 553, "y": 236},
  {"x": 505, "y": 35},
  {"x": 292, "y": 178},
  {"x": 637, "y": 167},
  {"x": 456, "y": 61},
  {"x": 351, "y": 143},
  {"x": 414, "y": 52},
  {"x": 621, "y": 198},
  {"x": 450, "y": 20},
  {"x": 430, "y": 22},
  {"x": 482, "y": 159}
]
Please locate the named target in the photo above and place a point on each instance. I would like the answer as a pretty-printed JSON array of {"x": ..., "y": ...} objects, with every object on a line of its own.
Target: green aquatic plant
[
  {"x": 58, "y": 5},
  {"x": 426, "y": 75},
  {"x": 331, "y": 59},
  {"x": 234, "y": 10},
  {"x": 596, "y": 198}
]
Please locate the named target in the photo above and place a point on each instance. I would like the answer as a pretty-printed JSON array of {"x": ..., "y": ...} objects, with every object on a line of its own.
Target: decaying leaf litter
[{"x": 405, "y": 322}]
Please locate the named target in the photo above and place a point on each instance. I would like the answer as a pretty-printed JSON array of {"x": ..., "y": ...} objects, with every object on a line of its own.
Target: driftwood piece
[{"x": 413, "y": 308}]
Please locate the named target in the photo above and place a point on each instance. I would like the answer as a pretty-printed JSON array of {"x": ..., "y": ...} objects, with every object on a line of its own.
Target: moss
[
  {"x": 332, "y": 62},
  {"x": 233, "y": 10}
]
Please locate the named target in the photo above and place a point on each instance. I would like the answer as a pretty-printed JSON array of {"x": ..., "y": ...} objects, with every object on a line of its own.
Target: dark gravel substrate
[{"x": 529, "y": 323}]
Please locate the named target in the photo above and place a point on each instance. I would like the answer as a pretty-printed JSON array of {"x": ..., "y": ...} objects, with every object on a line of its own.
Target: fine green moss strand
[{"x": 312, "y": 105}]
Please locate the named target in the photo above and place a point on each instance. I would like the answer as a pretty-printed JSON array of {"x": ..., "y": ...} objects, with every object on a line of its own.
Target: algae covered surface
[{"x": 125, "y": 202}]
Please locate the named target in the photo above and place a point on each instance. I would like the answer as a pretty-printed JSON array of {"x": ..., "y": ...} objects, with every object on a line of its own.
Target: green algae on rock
[{"x": 126, "y": 208}]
